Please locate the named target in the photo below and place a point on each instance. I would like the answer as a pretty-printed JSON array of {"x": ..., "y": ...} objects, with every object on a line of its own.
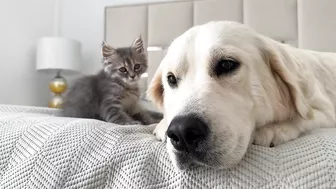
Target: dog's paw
[
  {"x": 160, "y": 131},
  {"x": 264, "y": 137},
  {"x": 275, "y": 134}
]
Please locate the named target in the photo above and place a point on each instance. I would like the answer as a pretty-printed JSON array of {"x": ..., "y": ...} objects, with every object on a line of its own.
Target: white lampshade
[{"x": 58, "y": 54}]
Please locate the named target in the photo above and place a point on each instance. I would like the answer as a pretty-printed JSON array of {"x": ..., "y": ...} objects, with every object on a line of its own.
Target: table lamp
[{"x": 58, "y": 55}]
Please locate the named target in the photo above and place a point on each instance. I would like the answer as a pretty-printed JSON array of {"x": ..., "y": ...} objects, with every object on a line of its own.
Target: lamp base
[
  {"x": 57, "y": 86},
  {"x": 56, "y": 101}
]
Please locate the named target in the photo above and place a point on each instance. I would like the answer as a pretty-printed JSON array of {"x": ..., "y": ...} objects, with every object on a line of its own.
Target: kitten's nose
[{"x": 132, "y": 76}]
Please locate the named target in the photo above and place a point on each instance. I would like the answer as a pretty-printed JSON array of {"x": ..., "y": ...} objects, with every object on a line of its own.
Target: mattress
[{"x": 40, "y": 149}]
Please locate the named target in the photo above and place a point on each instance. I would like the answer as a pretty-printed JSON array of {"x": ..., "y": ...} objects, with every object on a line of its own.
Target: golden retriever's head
[{"x": 216, "y": 84}]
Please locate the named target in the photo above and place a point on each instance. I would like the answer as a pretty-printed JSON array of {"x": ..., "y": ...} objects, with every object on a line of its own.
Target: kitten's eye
[
  {"x": 123, "y": 69},
  {"x": 172, "y": 81},
  {"x": 226, "y": 66},
  {"x": 136, "y": 66}
]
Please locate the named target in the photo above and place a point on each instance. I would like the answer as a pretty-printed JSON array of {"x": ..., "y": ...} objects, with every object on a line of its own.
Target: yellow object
[
  {"x": 56, "y": 101},
  {"x": 58, "y": 85}
]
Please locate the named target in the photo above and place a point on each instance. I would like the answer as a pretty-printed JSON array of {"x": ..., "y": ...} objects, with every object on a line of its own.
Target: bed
[{"x": 41, "y": 149}]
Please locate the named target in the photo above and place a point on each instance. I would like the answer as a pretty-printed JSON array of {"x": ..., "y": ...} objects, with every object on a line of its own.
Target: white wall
[
  {"x": 23, "y": 22},
  {"x": 83, "y": 20}
]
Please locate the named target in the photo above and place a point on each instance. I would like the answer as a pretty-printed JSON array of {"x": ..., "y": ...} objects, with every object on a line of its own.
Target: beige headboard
[{"x": 306, "y": 24}]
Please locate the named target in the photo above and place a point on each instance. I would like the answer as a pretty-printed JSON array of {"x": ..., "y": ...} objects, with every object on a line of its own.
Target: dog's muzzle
[{"x": 187, "y": 132}]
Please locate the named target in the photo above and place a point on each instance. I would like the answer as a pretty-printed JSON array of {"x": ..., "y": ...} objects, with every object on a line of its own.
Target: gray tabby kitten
[{"x": 113, "y": 94}]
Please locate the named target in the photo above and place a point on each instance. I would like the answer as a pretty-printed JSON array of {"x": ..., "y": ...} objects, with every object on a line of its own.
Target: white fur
[{"x": 278, "y": 93}]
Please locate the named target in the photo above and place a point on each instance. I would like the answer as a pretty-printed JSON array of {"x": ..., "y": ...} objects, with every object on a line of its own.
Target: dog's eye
[
  {"x": 226, "y": 66},
  {"x": 172, "y": 81}
]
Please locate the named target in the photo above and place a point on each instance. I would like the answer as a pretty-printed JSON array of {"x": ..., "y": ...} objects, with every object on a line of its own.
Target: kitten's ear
[
  {"x": 107, "y": 50},
  {"x": 138, "y": 45}
]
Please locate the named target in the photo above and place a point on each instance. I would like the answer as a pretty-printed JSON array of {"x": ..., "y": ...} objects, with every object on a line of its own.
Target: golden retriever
[{"x": 222, "y": 86}]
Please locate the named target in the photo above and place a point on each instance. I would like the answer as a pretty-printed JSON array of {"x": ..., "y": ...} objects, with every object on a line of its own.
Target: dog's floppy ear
[
  {"x": 278, "y": 62},
  {"x": 155, "y": 89}
]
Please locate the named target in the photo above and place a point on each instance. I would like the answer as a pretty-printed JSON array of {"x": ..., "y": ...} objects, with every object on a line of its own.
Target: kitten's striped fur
[{"x": 113, "y": 94}]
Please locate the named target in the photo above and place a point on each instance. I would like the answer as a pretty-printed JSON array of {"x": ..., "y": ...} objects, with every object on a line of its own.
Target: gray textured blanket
[{"x": 40, "y": 150}]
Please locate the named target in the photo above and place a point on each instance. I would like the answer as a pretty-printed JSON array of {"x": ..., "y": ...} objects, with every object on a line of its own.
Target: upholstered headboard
[{"x": 306, "y": 24}]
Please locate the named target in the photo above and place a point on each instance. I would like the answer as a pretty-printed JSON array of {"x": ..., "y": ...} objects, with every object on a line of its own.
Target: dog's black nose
[{"x": 185, "y": 132}]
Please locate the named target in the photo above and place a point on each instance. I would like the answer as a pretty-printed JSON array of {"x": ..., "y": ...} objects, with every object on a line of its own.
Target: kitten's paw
[
  {"x": 160, "y": 131},
  {"x": 276, "y": 134},
  {"x": 136, "y": 123},
  {"x": 149, "y": 121}
]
